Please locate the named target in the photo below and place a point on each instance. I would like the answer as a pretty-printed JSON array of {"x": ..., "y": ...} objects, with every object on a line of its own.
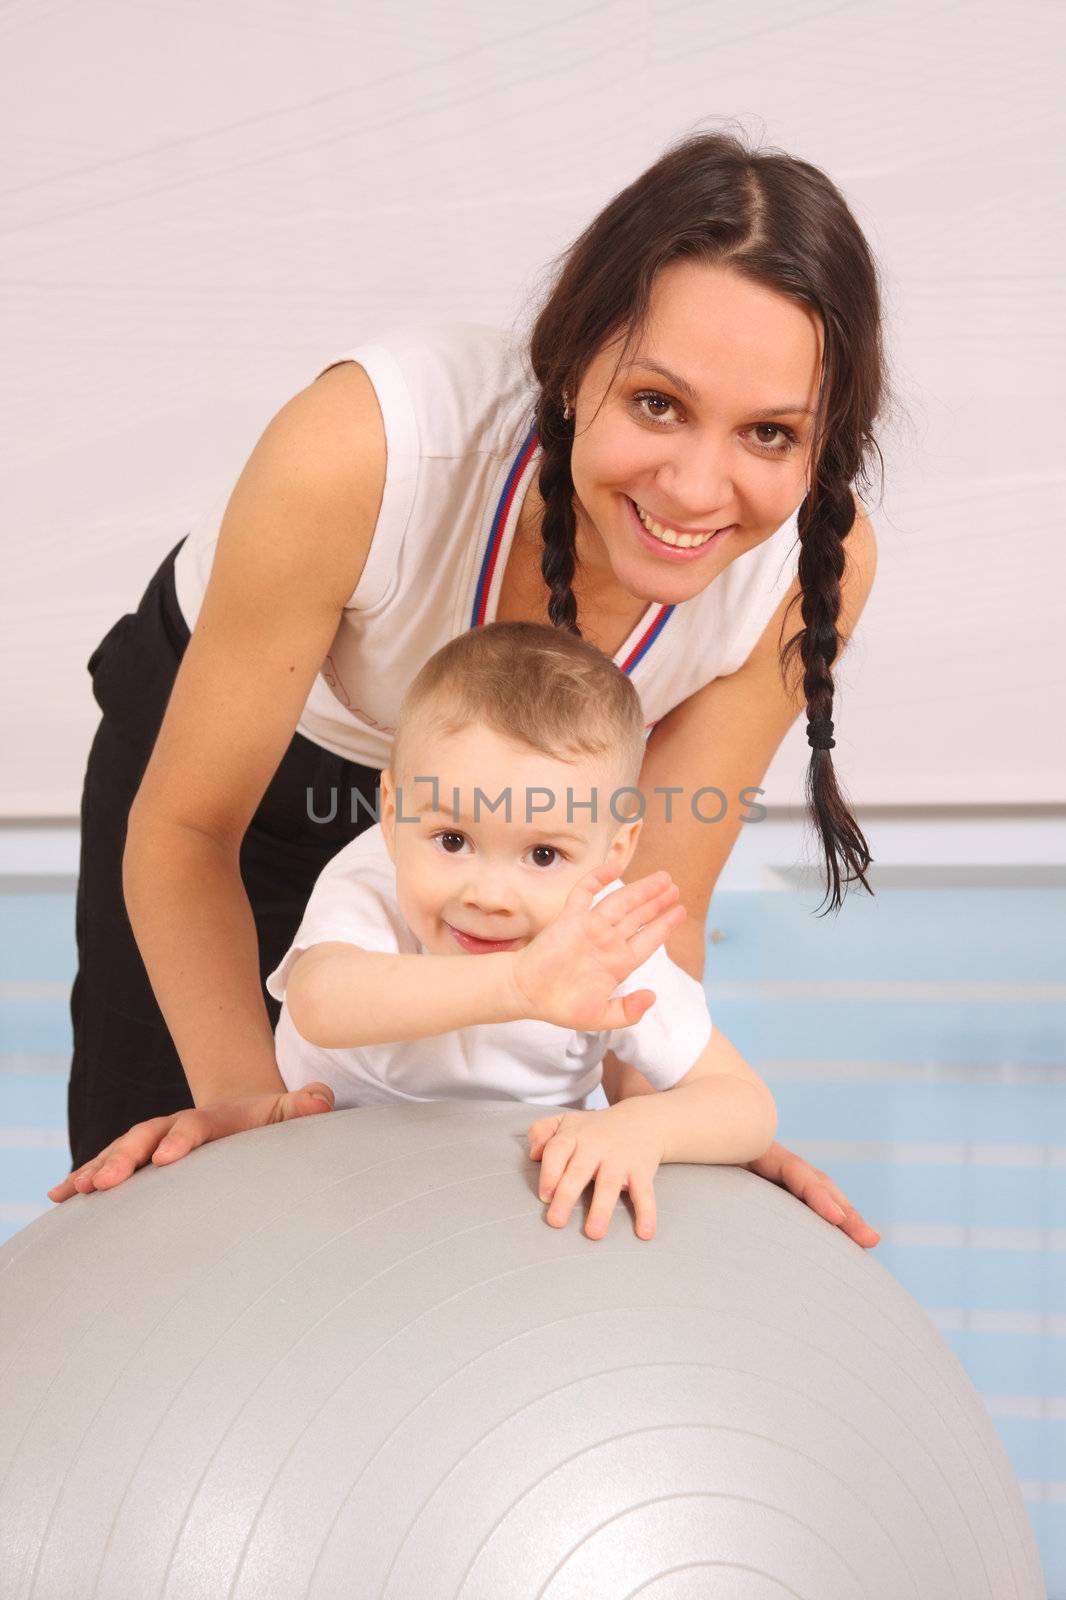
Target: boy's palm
[{"x": 569, "y": 972}]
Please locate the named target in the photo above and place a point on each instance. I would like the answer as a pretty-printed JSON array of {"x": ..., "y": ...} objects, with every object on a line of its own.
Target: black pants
[{"x": 125, "y": 1067}]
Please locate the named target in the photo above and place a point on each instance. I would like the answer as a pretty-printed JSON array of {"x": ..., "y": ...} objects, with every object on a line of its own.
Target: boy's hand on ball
[
  {"x": 567, "y": 974},
  {"x": 618, "y": 1147},
  {"x": 162, "y": 1140}
]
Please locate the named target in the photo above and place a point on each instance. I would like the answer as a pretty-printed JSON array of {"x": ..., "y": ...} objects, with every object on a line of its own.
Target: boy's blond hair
[{"x": 539, "y": 685}]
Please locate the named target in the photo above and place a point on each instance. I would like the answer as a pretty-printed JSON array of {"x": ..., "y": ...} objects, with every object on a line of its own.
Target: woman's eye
[
  {"x": 439, "y": 838},
  {"x": 658, "y": 399},
  {"x": 788, "y": 440},
  {"x": 787, "y": 436}
]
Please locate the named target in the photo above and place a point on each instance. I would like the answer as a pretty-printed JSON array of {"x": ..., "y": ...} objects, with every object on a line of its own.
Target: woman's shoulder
[{"x": 460, "y": 382}]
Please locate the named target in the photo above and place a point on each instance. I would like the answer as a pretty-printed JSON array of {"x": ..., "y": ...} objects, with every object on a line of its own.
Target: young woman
[{"x": 666, "y": 469}]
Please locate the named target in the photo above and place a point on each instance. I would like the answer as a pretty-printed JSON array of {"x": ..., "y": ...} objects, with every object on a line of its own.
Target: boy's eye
[{"x": 452, "y": 844}]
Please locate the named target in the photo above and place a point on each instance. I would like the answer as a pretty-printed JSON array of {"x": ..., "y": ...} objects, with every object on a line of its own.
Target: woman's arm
[
  {"x": 292, "y": 546},
  {"x": 726, "y": 734}
]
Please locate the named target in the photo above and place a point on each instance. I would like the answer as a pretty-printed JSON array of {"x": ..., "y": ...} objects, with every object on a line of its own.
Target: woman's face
[{"x": 732, "y": 454}]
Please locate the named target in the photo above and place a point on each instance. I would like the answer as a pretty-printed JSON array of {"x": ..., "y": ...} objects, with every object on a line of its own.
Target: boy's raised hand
[
  {"x": 165, "y": 1139},
  {"x": 568, "y": 973}
]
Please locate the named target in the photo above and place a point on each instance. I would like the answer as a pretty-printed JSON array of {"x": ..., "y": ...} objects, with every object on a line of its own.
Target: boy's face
[{"x": 477, "y": 886}]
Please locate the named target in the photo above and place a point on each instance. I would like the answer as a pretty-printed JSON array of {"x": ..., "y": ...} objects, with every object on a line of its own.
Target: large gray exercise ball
[{"x": 348, "y": 1357}]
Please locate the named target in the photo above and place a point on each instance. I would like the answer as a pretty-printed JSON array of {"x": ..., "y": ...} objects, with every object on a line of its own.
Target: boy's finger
[
  {"x": 319, "y": 1095},
  {"x": 604, "y": 1199},
  {"x": 639, "y": 918},
  {"x": 553, "y": 1165},
  {"x": 642, "y": 1194},
  {"x": 625, "y": 1010},
  {"x": 587, "y": 888},
  {"x": 656, "y": 932},
  {"x": 635, "y": 1004},
  {"x": 633, "y": 896}
]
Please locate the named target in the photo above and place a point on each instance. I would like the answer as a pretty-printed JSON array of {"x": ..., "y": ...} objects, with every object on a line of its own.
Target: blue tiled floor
[{"x": 938, "y": 1110}]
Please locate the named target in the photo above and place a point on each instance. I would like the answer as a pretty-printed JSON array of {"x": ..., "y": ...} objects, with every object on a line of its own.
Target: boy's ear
[
  {"x": 387, "y": 810},
  {"x": 624, "y": 845}
]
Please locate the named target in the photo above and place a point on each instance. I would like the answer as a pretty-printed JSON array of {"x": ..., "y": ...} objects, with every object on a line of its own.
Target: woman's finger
[
  {"x": 120, "y": 1158},
  {"x": 827, "y": 1200},
  {"x": 125, "y": 1155},
  {"x": 65, "y": 1188},
  {"x": 817, "y": 1190},
  {"x": 190, "y": 1130}
]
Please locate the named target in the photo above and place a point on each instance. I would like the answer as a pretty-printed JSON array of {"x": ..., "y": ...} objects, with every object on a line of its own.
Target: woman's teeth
[{"x": 684, "y": 541}]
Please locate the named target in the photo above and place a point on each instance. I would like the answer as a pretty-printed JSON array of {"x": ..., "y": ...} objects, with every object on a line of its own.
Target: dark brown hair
[
  {"x": 542, "y": 686},
  {"x": 781, "y": 223}
]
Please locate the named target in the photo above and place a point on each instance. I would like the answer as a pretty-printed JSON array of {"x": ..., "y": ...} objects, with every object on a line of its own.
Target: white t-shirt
[
  {"x": 457, "y": 401},
  {"x": 354, "y": 901}
]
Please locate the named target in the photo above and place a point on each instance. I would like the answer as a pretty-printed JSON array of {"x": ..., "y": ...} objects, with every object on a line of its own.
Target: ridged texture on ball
[{"x": 347, "y": 1357}]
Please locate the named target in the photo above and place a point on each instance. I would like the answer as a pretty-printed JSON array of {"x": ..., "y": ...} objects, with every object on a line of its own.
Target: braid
[
  {"x": 825, "y": 520},
  {"x": 558, "y": 526}
]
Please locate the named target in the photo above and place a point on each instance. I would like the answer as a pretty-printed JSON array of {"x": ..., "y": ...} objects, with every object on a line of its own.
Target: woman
[{"x": 702, "y": 384}]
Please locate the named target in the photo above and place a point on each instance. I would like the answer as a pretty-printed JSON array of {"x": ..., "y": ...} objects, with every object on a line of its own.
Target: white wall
[{"x": 205, "y": 203}]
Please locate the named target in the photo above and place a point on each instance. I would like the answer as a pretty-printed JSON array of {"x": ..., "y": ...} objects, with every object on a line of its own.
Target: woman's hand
[
  {"x": 165, "y": 1139},
  {"x": 567, "y": 974},
  {"x": 619, "y": 1146},
  {"x": 816, "y": 1190}
]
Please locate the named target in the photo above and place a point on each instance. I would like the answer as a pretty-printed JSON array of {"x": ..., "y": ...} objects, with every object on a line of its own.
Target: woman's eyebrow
[{"x": 684, "y": 387}]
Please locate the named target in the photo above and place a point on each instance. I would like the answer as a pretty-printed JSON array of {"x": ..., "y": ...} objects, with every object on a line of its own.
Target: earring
[{"x": 567, "y": 413}]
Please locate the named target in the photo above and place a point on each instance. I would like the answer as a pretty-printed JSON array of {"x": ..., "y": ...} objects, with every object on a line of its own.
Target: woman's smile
[{"x": 672, "y": 546}]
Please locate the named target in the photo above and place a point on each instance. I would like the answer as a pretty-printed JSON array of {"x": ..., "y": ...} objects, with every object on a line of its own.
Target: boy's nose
[{"x": 489, "y": 893}]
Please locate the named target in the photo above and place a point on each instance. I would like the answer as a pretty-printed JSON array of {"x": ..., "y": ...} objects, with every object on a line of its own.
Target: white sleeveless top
[{"x": 457, "y": 400}]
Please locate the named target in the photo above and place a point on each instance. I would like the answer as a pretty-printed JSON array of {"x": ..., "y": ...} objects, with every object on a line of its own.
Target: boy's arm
[
  {"x": 340, "y": 996},
  {"x": 720, "y": 1111}
]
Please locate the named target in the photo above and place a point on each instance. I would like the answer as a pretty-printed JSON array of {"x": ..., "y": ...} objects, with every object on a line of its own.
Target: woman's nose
[{"x": 698, "y": 479}]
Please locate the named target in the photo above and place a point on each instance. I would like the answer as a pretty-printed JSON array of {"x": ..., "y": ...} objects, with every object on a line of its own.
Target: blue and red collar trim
[{"x": 492, "y": 550}]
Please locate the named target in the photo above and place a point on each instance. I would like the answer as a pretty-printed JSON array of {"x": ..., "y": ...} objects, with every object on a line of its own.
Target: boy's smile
[
  {"x": 470, "y": 881},
  {"x": 475, "y": 946}
]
